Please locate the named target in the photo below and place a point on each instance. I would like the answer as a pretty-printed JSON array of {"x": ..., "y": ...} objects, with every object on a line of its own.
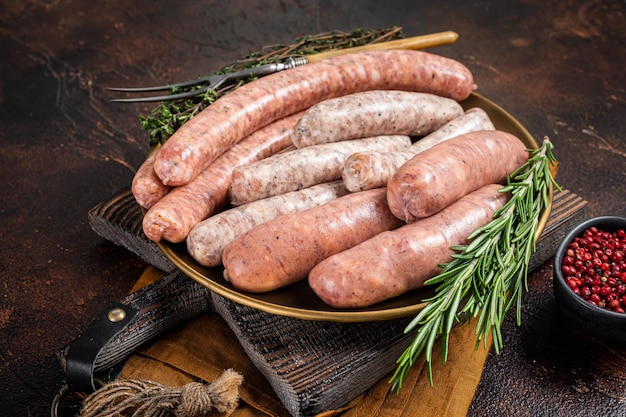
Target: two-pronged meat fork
[{"x": 215, "y": 81}]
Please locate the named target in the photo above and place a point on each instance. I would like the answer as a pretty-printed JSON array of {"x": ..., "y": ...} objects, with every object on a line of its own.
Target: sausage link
[
  {"x": 301, "y": 168},
  {"x": 207, "y": 239},
  {"x": 367, "y": 170},
  {"x": 239, "y": 113},
  {"x": 437, "y": 177},
  {"x": 147, "y": 187},
  {"x": 284, "y": 250},
  {"x": 394, "y": 262},
  {"x": 172, "y": 217},
  {"x": 371, "y": 113}
]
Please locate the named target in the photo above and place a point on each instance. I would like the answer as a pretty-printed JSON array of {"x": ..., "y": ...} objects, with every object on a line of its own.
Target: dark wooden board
[{"x": 296, "y": 362}]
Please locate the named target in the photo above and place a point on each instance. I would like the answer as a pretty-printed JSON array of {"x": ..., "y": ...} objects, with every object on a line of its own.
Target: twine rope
[{"x": 135, "y": 398}]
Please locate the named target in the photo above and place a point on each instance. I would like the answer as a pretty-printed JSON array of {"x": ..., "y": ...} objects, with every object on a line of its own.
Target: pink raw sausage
[
  {"x": 437, "y": 177},
  {"x": 147, "y": 187},
  {"x": 367, "y": 170},
  {"x": 284, "y": 250},
  {"x": 172, "y": 217},
  {"x": 236, "y": 115},
  {"x": 393, "y": 262}
]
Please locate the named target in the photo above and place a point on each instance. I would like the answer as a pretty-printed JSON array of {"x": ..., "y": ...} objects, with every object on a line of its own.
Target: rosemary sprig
[
  {"x": 163, "y": 120},
  {"x": 489, "y": 274}
]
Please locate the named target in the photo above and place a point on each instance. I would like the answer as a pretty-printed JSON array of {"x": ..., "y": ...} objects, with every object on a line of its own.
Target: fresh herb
[
  {"x": 169, "y": 116},
  {"x": 487, "y": 276}
]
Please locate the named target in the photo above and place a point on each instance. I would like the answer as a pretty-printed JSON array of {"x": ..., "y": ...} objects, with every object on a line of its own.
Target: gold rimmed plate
[{"x": 298, "y": 300}]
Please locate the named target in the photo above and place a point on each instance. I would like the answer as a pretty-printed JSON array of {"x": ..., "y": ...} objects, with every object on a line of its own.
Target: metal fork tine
[
  {"x": 186, "y": 94},
  {"x": 213, "y": 81},
  {"x": 189, "y": 83}
]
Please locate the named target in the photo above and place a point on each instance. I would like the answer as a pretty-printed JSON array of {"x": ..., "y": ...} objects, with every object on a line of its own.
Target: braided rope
[{"x": 135, "y": 398}]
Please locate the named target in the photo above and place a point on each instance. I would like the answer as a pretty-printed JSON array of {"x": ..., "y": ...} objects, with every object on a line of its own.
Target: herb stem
[
  {"x": 162, "y": 121},
  {"x": 489, "y": 273}
]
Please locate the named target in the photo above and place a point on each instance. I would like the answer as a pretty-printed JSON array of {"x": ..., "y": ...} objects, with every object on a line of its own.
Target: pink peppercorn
[{"x": 595, "y": 268}]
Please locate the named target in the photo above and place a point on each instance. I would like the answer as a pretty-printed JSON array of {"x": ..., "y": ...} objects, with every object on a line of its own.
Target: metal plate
[{"x": 298, "y": 300}]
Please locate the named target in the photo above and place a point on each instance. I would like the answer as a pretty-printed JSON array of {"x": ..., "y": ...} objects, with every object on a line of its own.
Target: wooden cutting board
[{"x": 312, "y": 366}]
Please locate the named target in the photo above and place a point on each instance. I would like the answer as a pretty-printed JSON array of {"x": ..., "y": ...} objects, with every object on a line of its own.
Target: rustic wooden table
[{"x": 558, "y": 67}]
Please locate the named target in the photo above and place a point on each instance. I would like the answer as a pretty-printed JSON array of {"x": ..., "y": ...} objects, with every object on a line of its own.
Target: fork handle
[{"x": 416, "y": 42}]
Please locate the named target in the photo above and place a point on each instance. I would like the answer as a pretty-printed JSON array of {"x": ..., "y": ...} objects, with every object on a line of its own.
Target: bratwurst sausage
[
  {"x": 173, "y": 216},
  {"x": 239, "y": 113},
  {"x": 207, "y": 239},
  {"x": 147, "y": 187},
  {"x": 372, "y": 113},
  {"x": 437, "y": 177},
  {"x": 367, "y": 170},
  {"x": 301, "y": 168},
  {"x": 284, "y": 250},
  {"x": 393, "y": 262}
]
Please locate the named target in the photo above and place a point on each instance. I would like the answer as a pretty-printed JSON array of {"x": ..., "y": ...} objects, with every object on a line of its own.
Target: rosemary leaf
[{"x": 490, "y": 273}]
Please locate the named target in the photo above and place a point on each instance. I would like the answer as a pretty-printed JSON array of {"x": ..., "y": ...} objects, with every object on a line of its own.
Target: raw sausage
[
  {"x": 207, "y": 239},
  {"x": 301, "y": 168},
  {"x": 147, "y": 187},
  {"x": 172, "y": 217},
  {"x": 282, "y": 251},
  {"x": 231, "y": 118},
  {"x": 437, "y": 177},
  {"x": 400, "y": 260},
  {"x": 367, "y": 170},
  {"x": 371, "y": 113},
  {"x": 239, "y": 113}
]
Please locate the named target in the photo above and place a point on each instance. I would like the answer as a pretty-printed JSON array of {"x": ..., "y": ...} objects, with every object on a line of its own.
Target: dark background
[{"x": 557, "y": 66}]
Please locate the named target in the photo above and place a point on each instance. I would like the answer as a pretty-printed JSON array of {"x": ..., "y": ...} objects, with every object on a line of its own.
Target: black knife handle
[{"x": 122, "y": 327}]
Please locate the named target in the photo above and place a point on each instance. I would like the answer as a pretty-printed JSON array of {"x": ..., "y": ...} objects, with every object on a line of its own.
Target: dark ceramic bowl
[{"x": 579, "y": 313}]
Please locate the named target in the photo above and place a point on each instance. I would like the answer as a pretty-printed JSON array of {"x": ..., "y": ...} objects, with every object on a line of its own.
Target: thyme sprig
[
  {"x": 487, "y": 276},
  {"x": 163, "y": 120}
]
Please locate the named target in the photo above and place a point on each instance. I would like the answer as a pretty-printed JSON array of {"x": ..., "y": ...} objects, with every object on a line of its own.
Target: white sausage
[
  {"x": 367, "y": 170},
  {"x": 372, "y": 113},
  {"x": 301, "y": 168},
  {"x": 207, "y": 240}
]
